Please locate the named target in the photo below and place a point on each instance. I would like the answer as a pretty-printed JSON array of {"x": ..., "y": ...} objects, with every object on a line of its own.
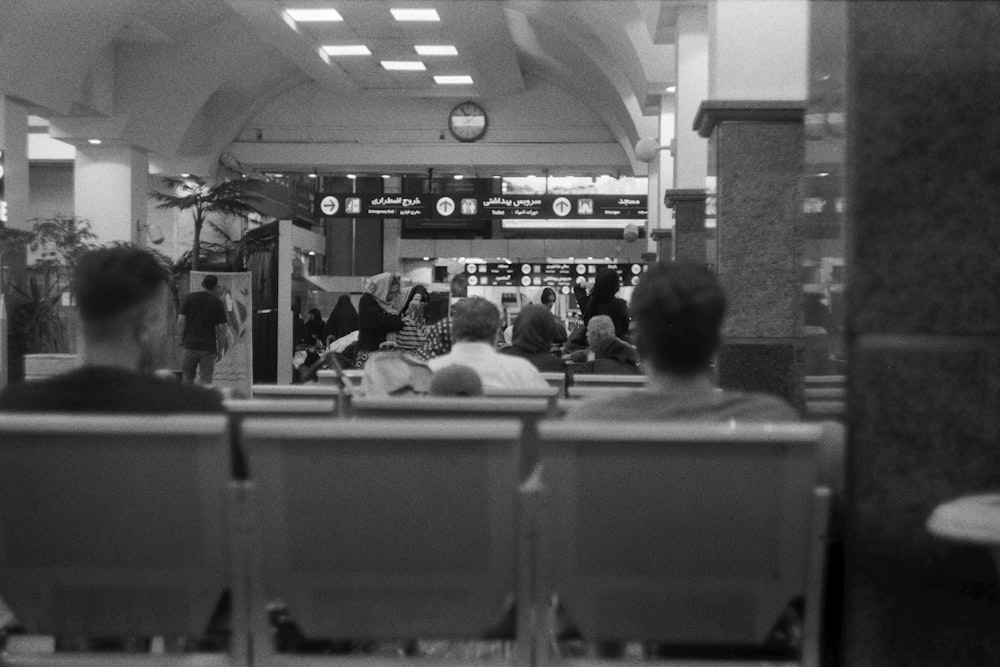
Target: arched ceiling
[{"x": 182, "y": 79}]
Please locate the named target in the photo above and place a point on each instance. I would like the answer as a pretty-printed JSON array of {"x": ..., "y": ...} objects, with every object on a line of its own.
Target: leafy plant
[
  {"x": 56, "y": 244},
  {"x": 196, "y": 195}
]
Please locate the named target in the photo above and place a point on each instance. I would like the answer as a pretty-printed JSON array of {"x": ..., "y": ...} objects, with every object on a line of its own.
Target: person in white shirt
[{"x": 475, "y": 323}]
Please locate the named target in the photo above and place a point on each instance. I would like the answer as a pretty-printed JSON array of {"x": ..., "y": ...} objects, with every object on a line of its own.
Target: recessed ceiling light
[
  {"x": 404, "y": 65},
  {"x": 351, "y": 176},
  {"x": 415, "y": 14},
  {"x": 346, "y": 50},
  {"x": 436, "y": 50},
  {"x": 386, "y": 176},
  {"x": 93, "y": 141},
  {"x": 459, "y": 177},
  {"x": 303, "y": 15},
  {"x": 452, "y": 79},
  {"x": 671, "y": 89}
]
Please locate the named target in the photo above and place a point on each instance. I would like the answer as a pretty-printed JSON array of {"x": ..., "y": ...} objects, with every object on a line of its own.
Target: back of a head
[
  {"x": 108, "y": 282},
  {"x": 606, "y": 285},
  {"x": 534, "y": 329},
  {"x": 209, "y": 282},
  {"x": 475, "y": 319},
  {"x": 679, "y": 307},
  {"x": 456, "y": 380},
  {"x": 600, "y": 327}
]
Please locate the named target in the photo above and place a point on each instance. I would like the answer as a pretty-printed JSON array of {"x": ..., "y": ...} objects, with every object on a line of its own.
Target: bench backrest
[
  {"x": 114, "y": 525},
  {"x": 681, "y": 533},
  {"x": 386, "y": 527}
]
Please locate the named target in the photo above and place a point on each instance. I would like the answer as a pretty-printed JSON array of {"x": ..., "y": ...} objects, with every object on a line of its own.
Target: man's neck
[
  {"x": 672, "y": 382},
  {"x": 122, "y": 356}
]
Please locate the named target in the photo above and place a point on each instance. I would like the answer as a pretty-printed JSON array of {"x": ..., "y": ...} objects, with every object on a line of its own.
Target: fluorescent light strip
[
  {"x": 347, "y": 50},
  {"x": 452, "y": 79},
  {"x": 404, "y": 65},
  {"x": 436, "y": 50},
  {"x": 415, "y": 14},
  {"x": 310, "y": 15},
  {"x": 520, "y": 223}
]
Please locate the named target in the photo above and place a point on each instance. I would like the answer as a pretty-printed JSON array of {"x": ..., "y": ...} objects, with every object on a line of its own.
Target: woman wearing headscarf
[
  {"x": 606, "y": 354},
  {"x": 532, "y": 338},
  {"x": 378, "y": 319},
  {"x": 343, "y": 319},
  {"x": 314, "y": 329},
  {"x": 602, "y": 301},
  {"x": 412, "y": 302}
]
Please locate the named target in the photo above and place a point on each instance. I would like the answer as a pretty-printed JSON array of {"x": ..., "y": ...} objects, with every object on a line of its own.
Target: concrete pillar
[
  {"x": 110, "y": 190},
  {"x": 753, "y": 119},
  {"x": 690, "y": 236},
  {"x": 923, "y": 319},
  {"x": 690, "y": 148},
  {"x": 14, "y": 147},
  {"x": 664, "y": 243}
]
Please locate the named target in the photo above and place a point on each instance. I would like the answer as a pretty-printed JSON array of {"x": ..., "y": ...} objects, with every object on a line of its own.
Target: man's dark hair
[
  {"x": 109, "y": 281},
  {"x": 679, "y": 308},
  {"x": 475, "y": 318},
  {"x": 209, "y": 282}
]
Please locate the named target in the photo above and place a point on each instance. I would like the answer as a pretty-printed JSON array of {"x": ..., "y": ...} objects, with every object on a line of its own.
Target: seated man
[
  {"x": 606, "y": 354},
  {"x": 679, "y": 308},
  {"x": 475, "y": 323},
  {"x": 121, "y": 296}
]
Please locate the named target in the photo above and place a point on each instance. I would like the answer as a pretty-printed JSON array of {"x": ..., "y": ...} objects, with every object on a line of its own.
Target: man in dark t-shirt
[
  {"x": 121, "y": 296},
  {"x": 202, "y": 322}
]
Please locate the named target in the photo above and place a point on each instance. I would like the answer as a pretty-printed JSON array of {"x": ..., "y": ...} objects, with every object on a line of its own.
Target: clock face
[{"x": 467, "y": 122}]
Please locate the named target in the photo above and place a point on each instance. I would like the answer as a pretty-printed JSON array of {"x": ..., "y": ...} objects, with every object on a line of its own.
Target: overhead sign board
[
  {"x": 456, "y": 206},
  {"x": 538, "y": 274}
]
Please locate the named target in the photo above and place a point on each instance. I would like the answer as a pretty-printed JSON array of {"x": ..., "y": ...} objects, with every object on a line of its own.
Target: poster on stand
[{"x": 235, "y": 370}]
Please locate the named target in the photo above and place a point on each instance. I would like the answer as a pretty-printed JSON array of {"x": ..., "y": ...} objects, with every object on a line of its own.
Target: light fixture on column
[
  {"x": 153, "y": 232},
  {"x": 647, "y": 149}
]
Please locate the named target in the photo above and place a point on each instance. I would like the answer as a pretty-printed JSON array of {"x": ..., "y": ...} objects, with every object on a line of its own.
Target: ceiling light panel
[
  {"x": 452, "y": 79},
  {"x": 347, "y": 50},
  {"x": 415, "y": 14},
  {"x": 435, "y": 50},
  {"x": 314, "y": 15},
  {"x": 404, "y": 65}
]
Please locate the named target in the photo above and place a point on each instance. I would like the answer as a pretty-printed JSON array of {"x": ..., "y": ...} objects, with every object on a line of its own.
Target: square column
[
  {"x": 759, "y": 150},
  {"x": 690, "y": 236},
  {"x": 110, "y": 190},
  {"x": 14, "y": 181},
  {"x": 923, "y": 325}
]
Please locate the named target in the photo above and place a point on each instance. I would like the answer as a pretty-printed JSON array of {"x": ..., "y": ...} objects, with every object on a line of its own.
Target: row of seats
[{"x": 687, "y": 534}]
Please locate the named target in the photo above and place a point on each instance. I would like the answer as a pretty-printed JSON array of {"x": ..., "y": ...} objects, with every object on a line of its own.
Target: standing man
[{"x": 202, "y": 322}]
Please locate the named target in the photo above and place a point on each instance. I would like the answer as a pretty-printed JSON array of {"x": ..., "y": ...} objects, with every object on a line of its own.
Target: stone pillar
[
  {"x": 14, "y": 146},
  {"x": 664, "y": 243},
  {"x": 923, "y": 323},
  {"x": 690, "y": 236},
  {"x": 110, "y": 190},
  {"x": 759, "y": 149}
]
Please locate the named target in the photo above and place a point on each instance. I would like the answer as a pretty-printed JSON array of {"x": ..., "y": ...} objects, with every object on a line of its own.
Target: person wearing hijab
[
  {"x": 548, "y": 299},
  {"x": 314, "y": 328},
  {"x": 378, "y": 318},
  {"x": 412, "y": 302},
  {"x": 602, "y": 301},
  {"x": 534, "y": 332},
  {"x": 343, "y": 319}
]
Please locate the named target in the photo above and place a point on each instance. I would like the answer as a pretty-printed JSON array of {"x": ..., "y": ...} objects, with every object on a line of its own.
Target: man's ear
[{"x": 141, "y": 324}]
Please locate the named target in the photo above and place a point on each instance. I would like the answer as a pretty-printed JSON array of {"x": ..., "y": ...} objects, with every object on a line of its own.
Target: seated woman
[
  {"x": 606, "y": 354},
  {"x": 535, "y": 331},
  {"x": 378, "y": 319},
  {"x": 412, "y": 302}
]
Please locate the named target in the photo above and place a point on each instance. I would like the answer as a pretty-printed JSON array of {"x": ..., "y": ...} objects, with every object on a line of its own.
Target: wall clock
[{"x": 467, "y": 122}]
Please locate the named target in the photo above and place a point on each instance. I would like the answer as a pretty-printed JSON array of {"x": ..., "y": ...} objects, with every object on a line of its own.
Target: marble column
[
  {"x": 663, "y": 238},
  {"x": 690, "y": 236},
  {"x": 923, "y": 320},
  {"x": 759, "y": 150}
]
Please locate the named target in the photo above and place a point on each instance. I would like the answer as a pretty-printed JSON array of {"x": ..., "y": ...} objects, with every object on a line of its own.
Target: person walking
[{"x": 202, "y": 322}]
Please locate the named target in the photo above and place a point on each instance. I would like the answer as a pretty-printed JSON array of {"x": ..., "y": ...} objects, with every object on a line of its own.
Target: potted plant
[{"x": 194, "y": 194}]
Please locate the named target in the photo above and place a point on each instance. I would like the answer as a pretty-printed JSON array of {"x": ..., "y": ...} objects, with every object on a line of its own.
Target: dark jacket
[{"x": 374, "y": 324}]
